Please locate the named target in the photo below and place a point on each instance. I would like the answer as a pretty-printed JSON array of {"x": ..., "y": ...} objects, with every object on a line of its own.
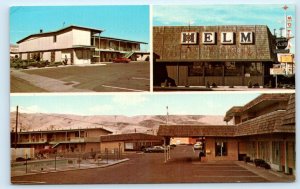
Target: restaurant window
[
  {"x": 253, "y": 68},
  {"x": 233, "y": 69},
  {"x": 213, "y": 69},
  {"x": 221, "y": 148},
  {"x": 196, "y": 69}
]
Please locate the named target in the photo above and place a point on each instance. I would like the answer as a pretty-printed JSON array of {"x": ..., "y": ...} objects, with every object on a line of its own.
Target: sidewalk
[
  {"x": 48, "y": 84},
  {"x": 270, "y": 175}
]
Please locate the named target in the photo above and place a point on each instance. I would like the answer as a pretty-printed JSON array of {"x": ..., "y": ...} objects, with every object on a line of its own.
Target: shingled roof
[
  {"x": 129, "y": 136},
  {"x": 290, "y": 115},
  {"x": 196, "y": 130}
]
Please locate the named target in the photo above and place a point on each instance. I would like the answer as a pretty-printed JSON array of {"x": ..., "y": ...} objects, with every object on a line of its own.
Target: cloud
[{"x": 129, "y": 100}]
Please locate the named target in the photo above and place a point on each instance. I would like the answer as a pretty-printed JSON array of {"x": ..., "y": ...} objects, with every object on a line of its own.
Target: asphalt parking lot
[
  {"x": 110, "y": 77},
  {"x": 184, "y": 167}
]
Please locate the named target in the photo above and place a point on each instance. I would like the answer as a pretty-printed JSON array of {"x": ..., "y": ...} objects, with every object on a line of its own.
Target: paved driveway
[
  {"x": 184, "y": 167},
  {"x": 132, "y": 77}
]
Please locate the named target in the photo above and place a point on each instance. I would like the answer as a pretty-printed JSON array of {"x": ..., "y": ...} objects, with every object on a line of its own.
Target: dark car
[
  {"x": 121, "y": 60},
  {"x": 159, "y": 149}
]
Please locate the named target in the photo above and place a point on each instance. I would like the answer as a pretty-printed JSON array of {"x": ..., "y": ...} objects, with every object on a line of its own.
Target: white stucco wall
[
  {"x": 64, "y": 40},
  {"x": 81, "y": 37},
  {"x": 24, "y": 56},
  {"x": 58, "y": 56},
  {"x": 47, "y": 56}
]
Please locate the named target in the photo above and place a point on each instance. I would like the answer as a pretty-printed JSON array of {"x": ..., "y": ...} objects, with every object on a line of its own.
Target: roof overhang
[{"x": 196, "y": 130}]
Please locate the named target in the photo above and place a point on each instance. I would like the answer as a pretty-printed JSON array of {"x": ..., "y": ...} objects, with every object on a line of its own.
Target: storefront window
[
  {"x": 221, "y": 148},
  {"x": 213, "y": 69},
  {"x": 233, "y": 69},
  {"x": 196, "y": 69},
  {"x": 253, "y": 68}
]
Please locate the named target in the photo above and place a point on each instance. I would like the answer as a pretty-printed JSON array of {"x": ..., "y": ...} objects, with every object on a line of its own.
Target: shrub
[
  {"x": 259, "y": 162},
  {"x": 256, "y": 85},
  {"x": 249, "y": 84},
  {"x": 214, "y": 85},
  {"x": 207, "y": 84}
]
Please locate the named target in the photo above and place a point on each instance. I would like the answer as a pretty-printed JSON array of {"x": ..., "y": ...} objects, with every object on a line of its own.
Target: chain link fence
[{"x": 65, "y": 161}]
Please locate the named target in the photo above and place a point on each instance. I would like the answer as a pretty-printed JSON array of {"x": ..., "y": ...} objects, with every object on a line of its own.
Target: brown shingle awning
[{"x": 196, "y": 130}]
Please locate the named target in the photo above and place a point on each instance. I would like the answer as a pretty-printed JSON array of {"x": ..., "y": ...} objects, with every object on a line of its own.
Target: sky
[
  {"x": 132, "y": 104},
  {"x": 125, "y": 22},
  {"x": 211, "y": 15}
]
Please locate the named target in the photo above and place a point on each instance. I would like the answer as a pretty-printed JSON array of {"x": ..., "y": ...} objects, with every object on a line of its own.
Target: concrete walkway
[
  {"x": 270, "y": 175},
  {"x": 48, "y": 84}
]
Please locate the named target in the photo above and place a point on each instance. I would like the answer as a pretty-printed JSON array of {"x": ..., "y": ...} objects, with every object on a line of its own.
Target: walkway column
[{"x": 286, "y": 168}]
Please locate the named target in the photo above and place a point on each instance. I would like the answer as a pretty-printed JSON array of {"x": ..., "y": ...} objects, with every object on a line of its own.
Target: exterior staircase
[{"x": 128, "y": 55}]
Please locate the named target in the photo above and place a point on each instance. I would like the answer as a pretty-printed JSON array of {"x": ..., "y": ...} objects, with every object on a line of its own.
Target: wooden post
[
  {"x": 16, "y": 132},
  {"x": 286, "y": 168}
]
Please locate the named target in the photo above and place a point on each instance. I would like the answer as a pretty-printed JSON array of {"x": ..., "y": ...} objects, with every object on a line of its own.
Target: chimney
[{"x": 41, "y": 30}]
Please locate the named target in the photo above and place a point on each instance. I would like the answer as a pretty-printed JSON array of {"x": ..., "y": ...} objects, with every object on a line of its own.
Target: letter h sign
[{"x": 189, "y": 38}]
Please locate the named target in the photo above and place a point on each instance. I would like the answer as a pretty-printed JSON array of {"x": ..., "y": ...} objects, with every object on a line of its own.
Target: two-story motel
[
  {"x": 229, "y": 55},
  {"x": 63, "y": 140},
  {"x": 78, "y": 45},
  {"x": 264, "y": 129}
]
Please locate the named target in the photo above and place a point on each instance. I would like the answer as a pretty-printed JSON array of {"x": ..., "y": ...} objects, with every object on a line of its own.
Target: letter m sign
[{"x": 188, "y": 38}]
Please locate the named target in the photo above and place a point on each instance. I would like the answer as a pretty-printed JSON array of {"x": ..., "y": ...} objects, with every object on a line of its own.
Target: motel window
[
  {"x": 196, "y": 69},
  {"x": 233, "y": 69},
  {"x": 213, "y": 69},
  {"x": 54, "y": 39},
  {"x": 253, "y": 68},
  {"x": 221, "y": 148}
]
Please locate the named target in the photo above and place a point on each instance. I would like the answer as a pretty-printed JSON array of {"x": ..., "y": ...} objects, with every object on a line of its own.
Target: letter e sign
[{"x": 208, "y": 37}]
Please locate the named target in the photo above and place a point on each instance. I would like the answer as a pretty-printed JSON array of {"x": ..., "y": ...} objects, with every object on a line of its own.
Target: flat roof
[
  {"x": 59, "y": 30},
  {"x": 123, "y": 40},
  {"x": 63, "y": 130}
]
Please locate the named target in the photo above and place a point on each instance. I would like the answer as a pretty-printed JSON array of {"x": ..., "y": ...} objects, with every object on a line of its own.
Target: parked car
[
  {"x": 154, "y": 149},
  {"x": 198, "y": 146},
  {"x": 121, "y": 60}
]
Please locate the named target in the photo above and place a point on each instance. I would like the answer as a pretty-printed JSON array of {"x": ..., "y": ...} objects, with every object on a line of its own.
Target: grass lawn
[{"x": 20, "y": 85}]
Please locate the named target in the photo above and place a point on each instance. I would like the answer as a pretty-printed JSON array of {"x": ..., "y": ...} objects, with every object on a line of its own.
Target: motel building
[
  {"x": 78, "y": 45},
  {"x": 263, "y": 129},
  {"x": 63, "y": 140},
  {"x": 128, "y": 142},
  {"x": 229, "y": 55}
]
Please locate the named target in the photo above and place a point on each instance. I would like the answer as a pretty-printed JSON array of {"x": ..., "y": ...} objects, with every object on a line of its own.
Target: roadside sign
[
  {"x": 277, "y": 71},
  {"x": 286, "y": 58}
]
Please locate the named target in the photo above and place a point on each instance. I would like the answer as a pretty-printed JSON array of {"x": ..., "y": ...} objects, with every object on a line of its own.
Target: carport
[{"x": 220, "y": 143}]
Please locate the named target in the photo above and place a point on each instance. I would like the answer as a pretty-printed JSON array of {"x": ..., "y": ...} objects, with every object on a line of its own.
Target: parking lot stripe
[{"x": 123, "y": 88}]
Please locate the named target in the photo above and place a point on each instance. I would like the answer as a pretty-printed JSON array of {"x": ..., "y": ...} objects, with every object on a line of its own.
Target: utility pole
[
  {"x": 285, "y": 21},
  {"x": 16, "y": 132},
  {"x": 167, "y": 115}
]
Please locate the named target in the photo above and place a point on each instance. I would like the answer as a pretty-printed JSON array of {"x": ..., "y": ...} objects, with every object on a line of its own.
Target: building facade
[
  {"x": 77, "y": 45},
  {"x": 129, "y": 142},
  {"x": 62, "y": 141},
  {"x": 232, "y": 55},
  {"x": 263, "y": 129}
]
